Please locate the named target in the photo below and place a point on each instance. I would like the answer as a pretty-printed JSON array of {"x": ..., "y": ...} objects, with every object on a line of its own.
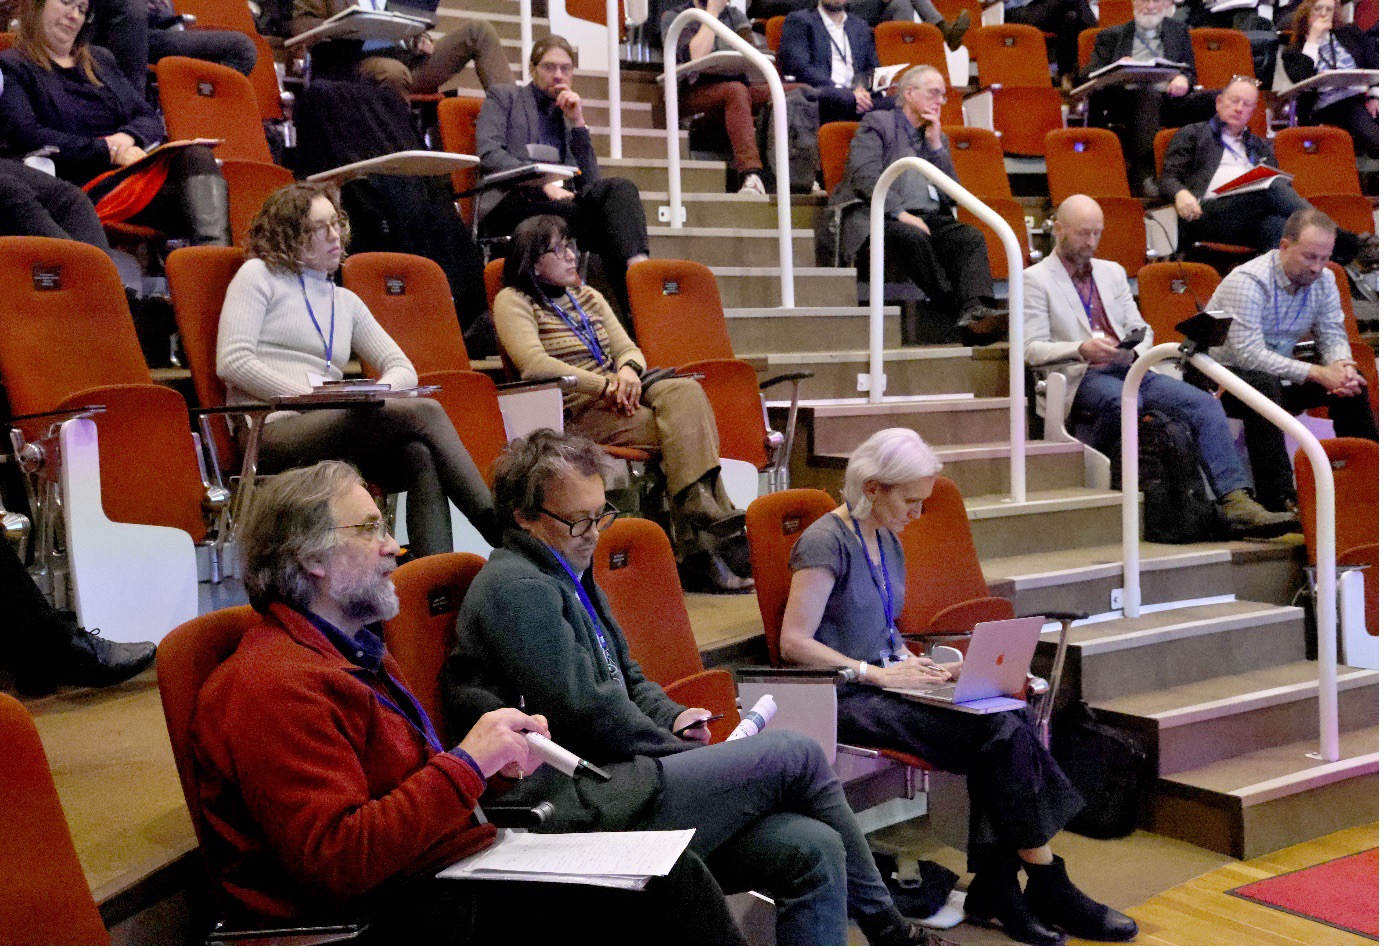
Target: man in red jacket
[{"x": 326, "y": 790}]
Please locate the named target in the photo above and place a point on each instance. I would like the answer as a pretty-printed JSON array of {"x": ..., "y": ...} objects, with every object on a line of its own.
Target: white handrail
[
  {"x": 613, "y": 76},
  {"x": 1328, "y": 725},
  {"x": 1018, "y": 409},
  {"x": 670, "y": 101},
  {"x": 525, "y": 37}
]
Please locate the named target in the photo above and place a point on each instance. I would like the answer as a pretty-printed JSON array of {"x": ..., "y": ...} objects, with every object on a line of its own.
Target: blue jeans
[
  {"x": 1096, "y": 416},
  {"x": 770, "y": 815}
]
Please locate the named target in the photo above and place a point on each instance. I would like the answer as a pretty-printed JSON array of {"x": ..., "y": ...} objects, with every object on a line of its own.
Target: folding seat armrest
[
  {"x": 519, "y": 385},
  {"x": 306, "y": 936},
  {"x": 789, "y": 673},
  {"x": 794, "y": 378}
]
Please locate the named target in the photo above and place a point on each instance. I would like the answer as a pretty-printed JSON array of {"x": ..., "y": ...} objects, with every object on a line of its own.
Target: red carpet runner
[{"x": 1343, "y": 893}]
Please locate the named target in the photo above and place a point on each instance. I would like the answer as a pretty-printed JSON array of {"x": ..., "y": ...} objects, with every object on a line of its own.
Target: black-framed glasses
[
  {"x": 565, "y": 248},
  {"x": 582, "y": 525},
  {"x": 375, "y": 529},
  {"x": 322, "y": 228}
]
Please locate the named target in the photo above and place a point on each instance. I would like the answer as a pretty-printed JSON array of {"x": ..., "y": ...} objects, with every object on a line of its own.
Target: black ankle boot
[
  {"x": 1057, "y": 901},
  {"x": 206, "y": 203},
  {"x": 994, "y": 898}
]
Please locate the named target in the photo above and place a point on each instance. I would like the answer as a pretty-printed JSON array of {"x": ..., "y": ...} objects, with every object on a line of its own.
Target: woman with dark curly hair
[
  {"x": 284, "y": 322},
  {"x": 61, "y": 91},
  {"x": 1319, "y": 39}
]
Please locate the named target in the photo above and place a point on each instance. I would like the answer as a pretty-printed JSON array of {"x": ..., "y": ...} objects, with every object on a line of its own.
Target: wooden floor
[{"x": 1201, "y": 912}]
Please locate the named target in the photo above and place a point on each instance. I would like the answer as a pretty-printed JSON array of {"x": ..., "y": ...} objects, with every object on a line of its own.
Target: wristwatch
[{"x": 852, "y": 673}]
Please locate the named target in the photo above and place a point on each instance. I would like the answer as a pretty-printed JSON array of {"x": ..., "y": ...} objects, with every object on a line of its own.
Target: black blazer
[
  {"x": 805, "y": 49},
  {"x": 1116, "y": 42},
  {"x": 1195, "y": 153},
  {"x": 1300, "y": 66}
]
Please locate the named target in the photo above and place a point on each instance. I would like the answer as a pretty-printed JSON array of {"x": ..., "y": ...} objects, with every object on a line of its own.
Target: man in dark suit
[
  {"x": 875, "y": 12},
  {"x": 1136, "y": 112},
  {"x": 834, "y": 52},
  {"x": 603, "y": 214}
]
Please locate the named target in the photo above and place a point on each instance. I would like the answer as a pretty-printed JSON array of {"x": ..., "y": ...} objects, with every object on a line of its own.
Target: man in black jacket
[
  {"x": 1206, "y": 155},
  {"x": 1136, "y": 112},
  {"x": 536, "y": 631},
  {"x": 832, "y": 51}
]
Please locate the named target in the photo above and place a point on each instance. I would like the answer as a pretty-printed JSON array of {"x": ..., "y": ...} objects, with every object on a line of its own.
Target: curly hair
[
  {"x": 1300, "y": 25},
  {"x": 280, "y": 233}
]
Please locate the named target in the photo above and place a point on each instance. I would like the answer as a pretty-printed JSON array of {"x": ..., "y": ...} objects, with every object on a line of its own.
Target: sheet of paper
[{"x": 627, "y": 854}]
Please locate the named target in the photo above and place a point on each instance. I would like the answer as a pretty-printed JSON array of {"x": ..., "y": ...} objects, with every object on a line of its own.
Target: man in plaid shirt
[{"x": 1276, "y": 300}]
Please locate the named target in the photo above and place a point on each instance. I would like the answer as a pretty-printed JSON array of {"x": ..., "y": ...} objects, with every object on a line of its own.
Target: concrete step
[
  {"x": 977, "y": 468},
  {"x": 1197, "y": 724},
  {"x": 775, "y": 334},
  {"x": 1050, "y": 520},
  {"x": 715, "y": 208},
  {"x": 485, "y": 8},
  {"x": 911, "y": 371},
  {"x": 728, "y": 247},
  {"x": 1271, "y": 798},
  {"x": 838, "y": 429},
  {"x": 633, "y": 115},
  {"x": 505, "y": 21},
  {"x": 1163, "y": 649},
  {"x": 635, "y": 142},
  {"x": 759, "y": 286},
  {"x": 635, "y": 86},
  {"x": 649, "y": 174}
]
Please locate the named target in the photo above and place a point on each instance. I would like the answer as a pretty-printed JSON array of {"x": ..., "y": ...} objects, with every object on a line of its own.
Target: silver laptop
[{"x": 996, "y": 668}]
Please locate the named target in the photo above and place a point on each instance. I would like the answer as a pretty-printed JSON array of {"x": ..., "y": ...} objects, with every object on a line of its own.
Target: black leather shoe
[
  {"x": 994, "y": 899},
  {"x": 704, "y": 572},
  {"x": 981, "y": 325},
  {"x": 87, "y": 660},
  {"x": 1057, "y": 901}
]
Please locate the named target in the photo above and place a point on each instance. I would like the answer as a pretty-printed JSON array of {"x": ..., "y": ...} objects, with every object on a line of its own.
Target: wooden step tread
[
  {"x": 1032, "y": 571},
  {"x": 1226, "y": 695},
  {"x": 764, "y": 234},
  {"x": 686, "y": 163},
  {"x": 773, "y": 313},
  {"x": 979, "y": 507},
  {"x": 984, "y": 450},
  {"x": 1161, "y": 626},
  {"x": 774, "y": 272},
  {"x": 908, "y": 354},
  {"x": 1268, "y": 774}
]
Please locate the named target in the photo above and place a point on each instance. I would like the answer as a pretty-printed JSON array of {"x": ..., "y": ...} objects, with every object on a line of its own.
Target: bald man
[{"x": 1077, "y": 309}]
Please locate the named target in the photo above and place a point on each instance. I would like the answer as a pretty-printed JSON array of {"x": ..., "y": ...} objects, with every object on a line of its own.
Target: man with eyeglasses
[
  {"x": 1137, "y": 111},
  {"x": 1204, "y": 156},
  {"x": 944, "y": 257},
  {"x": 535, "y": 629},
  {"x": 543, "y": 121},
  {"x": 327, "y": 791}
]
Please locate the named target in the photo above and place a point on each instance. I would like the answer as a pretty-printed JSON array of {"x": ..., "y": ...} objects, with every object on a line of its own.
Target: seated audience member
[
  {"x": 875, "y": 12},
  {"x": 1319, "y": 40},
  {"x": 769, "y": 813},
  {"x": 1206, "y": 155},
  {"x": 284, "y": 322},
  {"x": 47, "y": 648},
  {"x": 327, "y": 793},
  {"x": 1276, "y": 300},
  {"x": 833, "y": 52},
  {"x": 551, "y": 324},
  {"x": 35, "y": 203},
  {"x": 229, "y": 48},
  {"x": 845, "y": 597},
  {"x": 415, "y": 66},
  {"x": 1063, "y": 18},
  {"x": 945, "y": 257},
  {"x": 737, "y": 99},
  {"x": 1055, "y": 328},
  {"x": 1136, "y": 112},
  {"x": 61, "y": 91},
  {"x": 605, "y": 214}
]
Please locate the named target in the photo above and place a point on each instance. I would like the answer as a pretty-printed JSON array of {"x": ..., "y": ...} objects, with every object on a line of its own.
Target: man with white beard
[{"x": 1135, "y": 112}]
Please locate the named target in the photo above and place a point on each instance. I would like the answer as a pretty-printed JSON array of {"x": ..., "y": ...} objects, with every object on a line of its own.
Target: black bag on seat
[{"x": 1107, "y": 767}]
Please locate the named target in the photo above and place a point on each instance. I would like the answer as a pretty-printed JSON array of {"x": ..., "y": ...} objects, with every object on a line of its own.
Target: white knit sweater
[{"x": 266, "y": 344}]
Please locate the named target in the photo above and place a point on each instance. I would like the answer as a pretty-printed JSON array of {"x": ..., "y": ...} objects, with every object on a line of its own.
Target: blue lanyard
[
  {"x": 882, "y": 585},
  {"x": 595, "y": 619},
  {"x": 421, "y": 723},
  {"x": 1139, "y": 38},
  {"x": 328, "y": 342},
  {"x": 585, "y": 331},
  {"x": 1278, "y": 325},
  {"x": 1089, "y": 300}
]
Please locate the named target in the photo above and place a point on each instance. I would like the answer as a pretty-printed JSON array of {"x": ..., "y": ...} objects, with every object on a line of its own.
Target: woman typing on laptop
[{"x": 846, "y": 595}]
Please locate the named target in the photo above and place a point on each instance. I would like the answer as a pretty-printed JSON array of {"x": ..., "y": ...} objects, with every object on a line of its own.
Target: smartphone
[
  {"x": 1136, "y": 336},
  {"x": 698, "y": 723}
]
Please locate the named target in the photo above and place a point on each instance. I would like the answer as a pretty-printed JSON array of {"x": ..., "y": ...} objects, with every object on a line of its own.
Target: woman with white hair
[{"x": 846, "y": 595}]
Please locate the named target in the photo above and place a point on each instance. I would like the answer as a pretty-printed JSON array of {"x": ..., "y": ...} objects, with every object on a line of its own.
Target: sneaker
[
  {"x": 1246, "y": 517},
  {"x": 752, "y": 184},
  {"x": 953, "y": 33}
]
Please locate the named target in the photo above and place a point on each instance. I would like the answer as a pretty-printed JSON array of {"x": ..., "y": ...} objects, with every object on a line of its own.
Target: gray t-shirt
[{"x": 853, "y": 622}]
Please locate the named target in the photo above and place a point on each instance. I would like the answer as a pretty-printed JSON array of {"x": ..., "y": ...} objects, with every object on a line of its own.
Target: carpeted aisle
[{"x": 1343, "y": 893}]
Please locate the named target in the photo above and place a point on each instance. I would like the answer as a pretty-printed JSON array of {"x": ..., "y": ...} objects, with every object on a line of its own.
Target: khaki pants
[
  {"x": 474, "y": 40},
  {"x": 674, "y": 418}
]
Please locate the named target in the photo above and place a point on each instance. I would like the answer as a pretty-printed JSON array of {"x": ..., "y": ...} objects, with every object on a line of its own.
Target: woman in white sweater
[{"x": 285, "y": 322}]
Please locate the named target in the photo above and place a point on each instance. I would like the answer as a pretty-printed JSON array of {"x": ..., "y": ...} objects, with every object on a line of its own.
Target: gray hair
[
  {"x": 890, "y": 457},
  {"x": 290, "y": 526},
  {"x": 913, "y": 76},
  {"x": 524, "y": 469}
]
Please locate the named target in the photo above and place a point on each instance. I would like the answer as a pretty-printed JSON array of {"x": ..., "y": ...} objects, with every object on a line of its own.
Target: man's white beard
[{"x": 1148, "y": 21}]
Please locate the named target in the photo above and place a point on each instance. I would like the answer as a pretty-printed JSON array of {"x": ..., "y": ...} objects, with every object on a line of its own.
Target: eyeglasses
[
  {"x": 321, "y": 230},
  {"x": 931, "y": 92},
  {"x": 82, "y": 8},
  {"x": 551, "y": 68},
  {"x": 582, "y": 525},
  {"x": 376, "y": 529},
  {"x": 563, "y": 249}
]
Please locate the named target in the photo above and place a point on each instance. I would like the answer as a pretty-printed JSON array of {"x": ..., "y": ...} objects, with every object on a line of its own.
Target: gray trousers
[
  {"x": 770, "y": 815},
  {"x": 400, "y": 444}
]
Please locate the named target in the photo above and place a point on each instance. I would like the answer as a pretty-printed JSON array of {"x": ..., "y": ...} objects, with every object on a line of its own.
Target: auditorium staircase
[{"x": 1212, "y": 681}]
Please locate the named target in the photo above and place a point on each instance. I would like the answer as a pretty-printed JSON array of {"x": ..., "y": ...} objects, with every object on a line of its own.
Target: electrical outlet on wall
[{"x": 1117, "y": 598}]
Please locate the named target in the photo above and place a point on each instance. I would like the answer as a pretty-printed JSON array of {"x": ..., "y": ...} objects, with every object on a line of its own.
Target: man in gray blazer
[
  {"x": 945, "y": 257},
  {"x": 603, "y": 214},
  {"x": 1079, "y": 309}
]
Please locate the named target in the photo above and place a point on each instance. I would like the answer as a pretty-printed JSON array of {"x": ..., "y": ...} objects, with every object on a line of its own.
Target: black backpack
[
  {"x": 1107, "y": 767},
  {"x": 1178, "y": 503},
  {"x": 803, "y": 121}
]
